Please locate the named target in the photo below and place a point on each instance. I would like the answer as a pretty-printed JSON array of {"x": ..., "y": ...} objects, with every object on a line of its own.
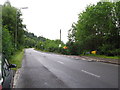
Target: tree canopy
[
  {"x": 97, "y": 29},
  {"x": 12, "y": 29}
]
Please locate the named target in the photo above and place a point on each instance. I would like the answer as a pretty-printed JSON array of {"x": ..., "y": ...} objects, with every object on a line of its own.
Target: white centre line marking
[
  {"x": 90, "y": 73},
  {"x": 60, "y": 62}
]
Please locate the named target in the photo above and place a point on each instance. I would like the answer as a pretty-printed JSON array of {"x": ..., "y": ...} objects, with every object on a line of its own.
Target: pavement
[
  {"x": 96, "y": 59},
  {"x": 48, "y": 70}
]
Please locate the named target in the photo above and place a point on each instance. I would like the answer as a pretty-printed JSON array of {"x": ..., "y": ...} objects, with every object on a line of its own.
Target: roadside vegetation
[
  {"x": 97, "y": 29},
  {"x": 103, "y": 56},
  {"x": 17, "y": 59},
  {"x": 43, "y": 44},
  {"x": 12, "y": 30}
]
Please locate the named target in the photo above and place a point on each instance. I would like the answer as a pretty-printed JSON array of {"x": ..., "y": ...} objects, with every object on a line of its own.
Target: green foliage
[
  {"x": 13, "y": 30},
  {"x": 73, "y": 48},
  {"x": 43, "y": 44},
  {"x": 40, "y": 45},
  {"x": 17, "y": 59},
  {"x": 29, "y": 42},
  {"x": 103, "y": 56},
  {"x": 32, "y": 36},
  {"x": 7, "y": 43},
  {"x": 98, "y": 28},
  {"x": 50, "y": 45}
]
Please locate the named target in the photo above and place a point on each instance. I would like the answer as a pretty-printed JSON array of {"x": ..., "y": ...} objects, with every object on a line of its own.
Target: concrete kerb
[
  {"x": 16, "y": 77},
  {"x": 104, "y": 61},
  {"x": 93, "y": 59}
]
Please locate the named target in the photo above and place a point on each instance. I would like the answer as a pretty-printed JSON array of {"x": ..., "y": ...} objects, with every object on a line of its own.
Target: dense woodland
[{"x": 97, "y": 28}]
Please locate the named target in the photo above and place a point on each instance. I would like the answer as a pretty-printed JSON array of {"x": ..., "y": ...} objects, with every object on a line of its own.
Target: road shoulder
[{"x": 95, "y": 59}]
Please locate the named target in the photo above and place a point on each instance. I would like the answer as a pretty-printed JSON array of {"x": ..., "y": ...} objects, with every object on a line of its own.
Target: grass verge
[
  {"x": 103, "y": 56},
  {"x": 17, "y": 59}
]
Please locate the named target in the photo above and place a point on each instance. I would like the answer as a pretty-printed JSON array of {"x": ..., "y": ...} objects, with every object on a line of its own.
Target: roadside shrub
[
  {"x": 109, "y": 50},
  {"x": 7, "y": 46}
]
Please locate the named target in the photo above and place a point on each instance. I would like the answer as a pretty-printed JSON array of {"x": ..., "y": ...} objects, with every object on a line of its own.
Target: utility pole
[
  {"x": 60, "y": 39},
  {"x": 60, "y": 34},
  {"x": 17, "y": 11}
]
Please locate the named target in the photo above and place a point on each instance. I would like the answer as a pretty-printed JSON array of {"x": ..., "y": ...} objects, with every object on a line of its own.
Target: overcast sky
[{"x": 46, "y": 17}]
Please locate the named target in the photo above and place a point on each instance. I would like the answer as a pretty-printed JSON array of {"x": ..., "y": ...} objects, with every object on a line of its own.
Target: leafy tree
[
  {"x": 97, "y": 29},
  {"x": 29, "y": 42},
  {"x": 7, "y": 43},
  {"x": 12, "y": 27},
  {"x": 13, "y": 22}
]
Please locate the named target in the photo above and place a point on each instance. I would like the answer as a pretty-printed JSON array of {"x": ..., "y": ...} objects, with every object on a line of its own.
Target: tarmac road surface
[{"x": 48, "y": 70}]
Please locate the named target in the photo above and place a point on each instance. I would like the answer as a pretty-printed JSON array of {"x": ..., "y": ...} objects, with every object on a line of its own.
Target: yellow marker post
[
  {"x": 93, "y": 52},
  {"x": 65, "y": 47}
]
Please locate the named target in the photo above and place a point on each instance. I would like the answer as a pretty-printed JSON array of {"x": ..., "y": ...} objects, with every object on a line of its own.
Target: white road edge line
[
  {"x": 90, "y": 73},
  {"x": 60, "y": 62}
]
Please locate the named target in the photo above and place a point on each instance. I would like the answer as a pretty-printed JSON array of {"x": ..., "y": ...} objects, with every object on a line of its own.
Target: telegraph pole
[
  {"x": 60, "y": 34},
  {"x": 60, "y": 39},
  {"x": 17, "y": 11}
]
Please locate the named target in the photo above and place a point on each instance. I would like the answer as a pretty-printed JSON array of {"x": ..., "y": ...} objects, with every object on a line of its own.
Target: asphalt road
[{"x": 48, "y": 70}]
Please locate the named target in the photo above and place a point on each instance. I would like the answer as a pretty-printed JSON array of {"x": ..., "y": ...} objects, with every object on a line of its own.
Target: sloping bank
[{"x": 17, "y": 59}]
